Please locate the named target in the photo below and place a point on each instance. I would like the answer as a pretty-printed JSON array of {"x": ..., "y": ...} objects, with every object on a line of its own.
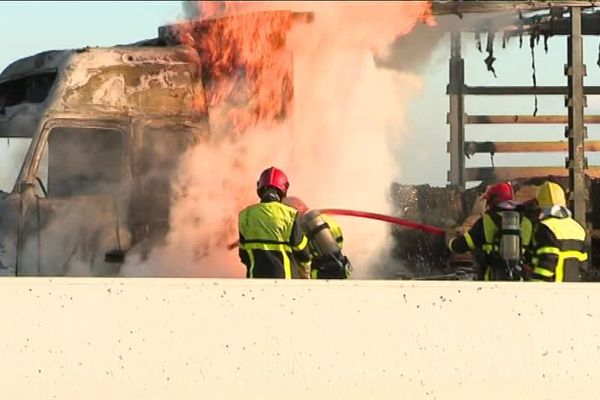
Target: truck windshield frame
[
  {"x": 83, "y": 161},
  {"x": 13, "y": 152},
  {"x": 35, "y": 156}
]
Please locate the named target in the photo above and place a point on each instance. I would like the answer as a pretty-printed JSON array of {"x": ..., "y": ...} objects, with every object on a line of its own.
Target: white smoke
[
  {"x": 12, "y": 153},
  {"x": 347, "y": 115}
]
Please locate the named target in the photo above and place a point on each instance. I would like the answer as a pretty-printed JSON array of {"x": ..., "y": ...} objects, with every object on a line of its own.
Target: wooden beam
[
  {"x": 504, "y": 173},
  {"x": 483, "y": 6},
  {"x": 525, "y": 147},
  {"x": 526, "y": 119},
  {"x": 511, "y": 25},
  {"x": 525, "y": 90},
  {"x": 456, "y": 112},
  {"x": 576, "y": 131},
  {"x": 590, "y": 27}
]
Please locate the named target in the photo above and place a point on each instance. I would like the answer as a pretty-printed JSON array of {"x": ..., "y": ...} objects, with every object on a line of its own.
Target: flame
[
  {"x": 335, "y": 146},
  {"x": 245, "y": 64}
]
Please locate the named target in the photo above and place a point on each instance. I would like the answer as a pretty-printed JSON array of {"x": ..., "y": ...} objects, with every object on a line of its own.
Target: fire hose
[{"x": 434, "y": 230}]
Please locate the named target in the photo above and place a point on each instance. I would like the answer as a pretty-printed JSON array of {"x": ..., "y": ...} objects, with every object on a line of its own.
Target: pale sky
[{"x": 29, "y": 27}]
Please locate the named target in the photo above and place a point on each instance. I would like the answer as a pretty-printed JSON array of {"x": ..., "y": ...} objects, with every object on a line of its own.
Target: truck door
[
  {"x": 9, "y": 211},
  {"x": 13, "y": 150},
  {"x": 83, "y": 176},
  {"x": 158, "y": 153}
]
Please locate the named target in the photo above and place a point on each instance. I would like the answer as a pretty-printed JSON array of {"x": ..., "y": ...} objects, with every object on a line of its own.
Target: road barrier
[{"x": 92, "y": 338}]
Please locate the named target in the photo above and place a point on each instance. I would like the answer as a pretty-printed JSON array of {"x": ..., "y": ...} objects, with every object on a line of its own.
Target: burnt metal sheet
[
  {"x": 129, "y": 81},
  {"x": 116, "y": 80},
  {"x": 149, "y": 89},
  {"x": 37, "y": 64},
  {"x": 9, "y": 221},
  {"x": 50, "y": 249}
]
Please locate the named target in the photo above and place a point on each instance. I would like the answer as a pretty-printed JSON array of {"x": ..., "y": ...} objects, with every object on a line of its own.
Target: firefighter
[
  {"x": 559, "y": 252},
  {"x": 271, "y": 242},
  {"x": 485, "y": 237},
  {"x": 325, "y": 241}
]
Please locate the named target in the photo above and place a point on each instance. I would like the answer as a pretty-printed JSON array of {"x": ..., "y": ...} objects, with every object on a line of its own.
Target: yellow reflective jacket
[
  {"x": 482, "y": 238},
  {"x": 559, "y": 249},
  {"x": 272, "y": 244}
]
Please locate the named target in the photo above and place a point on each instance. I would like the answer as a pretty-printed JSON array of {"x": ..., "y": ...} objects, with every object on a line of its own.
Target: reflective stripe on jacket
[
  {"x": 559, "y": 250},
  {"x": 482, "y": 237},
  {"x": 270, "y": 236}
]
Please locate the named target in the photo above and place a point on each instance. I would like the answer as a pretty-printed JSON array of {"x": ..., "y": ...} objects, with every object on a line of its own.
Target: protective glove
[
  {"x": 526, "y": 271},
  {"x": 449, "y": 234},
  {"x": 304, "y": 270}
]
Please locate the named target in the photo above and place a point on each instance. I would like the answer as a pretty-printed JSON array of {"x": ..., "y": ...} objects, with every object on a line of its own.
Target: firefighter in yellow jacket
[
  {"x": 559, "y": 251},
  {"x": 483, "y": 239},
  {"x": 271, "y": 241},
  {"x": 325, "y": 241}
]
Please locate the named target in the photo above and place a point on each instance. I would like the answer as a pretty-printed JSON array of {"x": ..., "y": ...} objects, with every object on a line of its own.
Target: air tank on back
[
  {"x": 319, "y": 233},
  {"x": 510, "y": 238}
]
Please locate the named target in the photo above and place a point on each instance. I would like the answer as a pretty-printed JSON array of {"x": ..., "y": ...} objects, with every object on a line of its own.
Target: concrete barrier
[{"x": 88, "y": 338}]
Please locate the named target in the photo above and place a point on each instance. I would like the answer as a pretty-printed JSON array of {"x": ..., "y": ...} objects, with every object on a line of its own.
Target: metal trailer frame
[{"x": 576, "y": 166}]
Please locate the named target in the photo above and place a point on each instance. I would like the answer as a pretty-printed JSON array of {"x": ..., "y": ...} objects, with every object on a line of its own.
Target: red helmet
[
  {"x": 499, "y": 193},
  {"x": 275, "y": 178}
]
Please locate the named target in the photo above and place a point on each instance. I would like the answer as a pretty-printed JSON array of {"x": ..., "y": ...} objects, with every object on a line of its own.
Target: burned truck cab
[{"x": 104, "y": 129}]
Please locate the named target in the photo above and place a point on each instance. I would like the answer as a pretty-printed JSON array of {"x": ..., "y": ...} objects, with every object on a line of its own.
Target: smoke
[
  {"x": 197, "y": 9},
  {"x": 349, "y": 114},
  {"x": 190, "y": 9},
  {"x": 422, "y": 41},
  {"x": 12, "y": 153},
  {"x": 335, "y": 146}
]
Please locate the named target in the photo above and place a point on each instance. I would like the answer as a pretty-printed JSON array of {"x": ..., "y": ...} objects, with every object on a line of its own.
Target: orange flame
[{"x": 245, "y": 64}]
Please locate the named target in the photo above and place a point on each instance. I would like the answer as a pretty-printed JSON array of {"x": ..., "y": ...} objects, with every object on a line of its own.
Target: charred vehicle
[{"x": 105, "y": 128}]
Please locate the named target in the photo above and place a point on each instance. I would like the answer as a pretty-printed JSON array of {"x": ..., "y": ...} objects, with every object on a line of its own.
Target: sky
[{"x": 37, "y": 26}]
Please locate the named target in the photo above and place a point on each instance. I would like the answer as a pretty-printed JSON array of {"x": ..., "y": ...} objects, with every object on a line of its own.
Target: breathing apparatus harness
[
  {"x": 509, "y": 240},
  {"x": 324, "y": 242}
]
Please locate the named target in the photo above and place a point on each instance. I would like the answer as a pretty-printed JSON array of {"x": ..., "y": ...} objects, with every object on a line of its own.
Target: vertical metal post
[
  {"x": 576, "y": 131},
  {"x": 455, "y": 116}
]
